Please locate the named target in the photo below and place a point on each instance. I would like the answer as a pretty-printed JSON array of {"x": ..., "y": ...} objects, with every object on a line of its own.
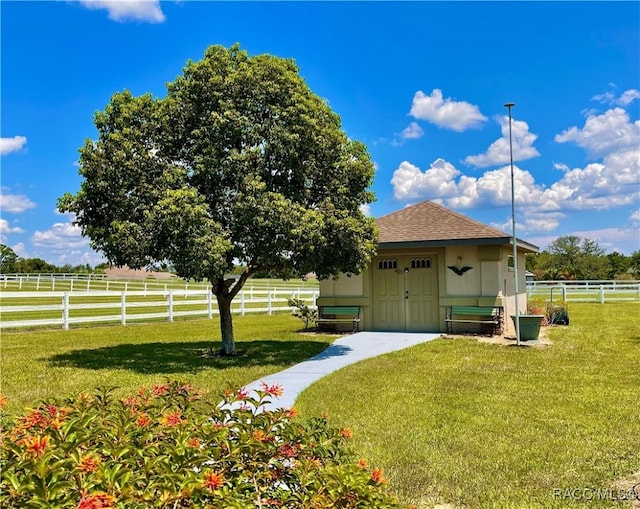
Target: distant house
[
  {"x": 126, "y": 272},
  {"x": 430, "y": 258}
]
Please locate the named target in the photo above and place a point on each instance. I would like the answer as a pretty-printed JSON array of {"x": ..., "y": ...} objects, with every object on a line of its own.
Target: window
[
  {"x": 391, "y": 263},
  {"x": 420, "y": 263}
]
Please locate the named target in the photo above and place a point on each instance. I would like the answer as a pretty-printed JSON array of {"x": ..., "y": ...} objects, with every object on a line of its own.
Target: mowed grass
[
  {"x": 485, "y": 426},
  {"x": 37, "y": 365}
]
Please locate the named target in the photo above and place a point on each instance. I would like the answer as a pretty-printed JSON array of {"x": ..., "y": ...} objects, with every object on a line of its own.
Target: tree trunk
[
  {"x": 226, "y": 324},
  {"x": 225, "y": 290}
]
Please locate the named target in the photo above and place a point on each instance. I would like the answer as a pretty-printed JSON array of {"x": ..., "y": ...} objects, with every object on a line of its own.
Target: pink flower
[
  {"x": 36, "y": 445},
  {"x": 274, "y": 390},
  {"x": 172, "y": 419},
  {"x": 213, "y": 481},
  {"x": 96, "y": 501}
]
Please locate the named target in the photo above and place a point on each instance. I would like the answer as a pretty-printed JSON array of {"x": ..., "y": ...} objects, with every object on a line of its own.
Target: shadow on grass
[{"x": 154, "y": 358}]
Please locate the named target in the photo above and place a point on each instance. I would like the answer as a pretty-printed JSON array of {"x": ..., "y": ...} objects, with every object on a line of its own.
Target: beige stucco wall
[
  {"x": 508, "y": 288},
  {"x": 488, "y": 283}
]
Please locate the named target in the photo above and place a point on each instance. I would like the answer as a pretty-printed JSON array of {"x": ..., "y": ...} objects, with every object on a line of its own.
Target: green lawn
[
  {"x": 39, "y": 365},
  {"x": 486, "y": 426}
]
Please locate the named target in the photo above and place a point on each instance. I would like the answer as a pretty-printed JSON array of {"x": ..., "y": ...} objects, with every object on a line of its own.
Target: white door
[{"x": 405, "y": 293}]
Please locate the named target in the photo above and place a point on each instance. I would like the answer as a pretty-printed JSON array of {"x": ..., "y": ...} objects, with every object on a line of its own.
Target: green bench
[
  {"x": 339, "y": 314},
  {"x": 489, "y": 317}
]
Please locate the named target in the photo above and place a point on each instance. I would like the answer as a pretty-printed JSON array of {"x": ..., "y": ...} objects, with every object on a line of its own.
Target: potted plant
[{"x": 530, "y": 323}]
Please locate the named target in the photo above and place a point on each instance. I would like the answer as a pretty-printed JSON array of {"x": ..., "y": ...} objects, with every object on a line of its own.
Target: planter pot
[{"x": 529, "y": 326}]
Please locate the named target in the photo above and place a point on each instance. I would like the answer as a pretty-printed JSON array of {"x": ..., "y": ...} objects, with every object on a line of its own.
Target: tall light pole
[{"x": 513, "y": 228}]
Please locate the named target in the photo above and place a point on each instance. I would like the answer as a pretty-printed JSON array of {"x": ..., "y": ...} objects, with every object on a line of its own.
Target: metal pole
[{"x": 513, "y": 225}]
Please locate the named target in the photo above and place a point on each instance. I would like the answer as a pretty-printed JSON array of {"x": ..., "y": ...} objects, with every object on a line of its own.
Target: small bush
[
  {"x": 165, "y": 447},
  {"x": 304, "y": 312},
  {"x": 555, "y": 313}
]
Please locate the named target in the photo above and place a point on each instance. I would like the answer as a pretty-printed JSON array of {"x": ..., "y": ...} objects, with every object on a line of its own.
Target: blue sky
[{"x": 422, "y": 84}]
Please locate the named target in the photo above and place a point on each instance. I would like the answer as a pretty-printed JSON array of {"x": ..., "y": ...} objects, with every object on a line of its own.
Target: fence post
[
  {"x": 268, "y": 302},
  {"x": 170, "y": 305},
  {"x": 89, "y": 283},
  {"x": 209, "y": 306},
  {"x": 242, "y": 303},
  {"x": 71, "y": 286},
  {"x": 107, "y": 286},
  {"x": 145, "y": 288},
  {"x": 601, "y": 294},
  {"x": 123, "y": 308},
  {"x": 65, "y": 311},
  {"x": 20, "y": 283},
  {"x": 126, "y": 285}
]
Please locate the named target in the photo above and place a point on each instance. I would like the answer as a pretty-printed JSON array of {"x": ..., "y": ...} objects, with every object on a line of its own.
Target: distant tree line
[
  {"x": 574, "y": 258},
  {"x": 566, "y": 258},
  {"x": 11, "y": 263}
]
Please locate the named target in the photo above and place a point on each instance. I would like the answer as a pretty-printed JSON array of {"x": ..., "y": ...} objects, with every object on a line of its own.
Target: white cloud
[
  {"x": 499, "y": 151},
  {"x": 8, "y": 145},
  {"x": 78, "y": 257},
  {"x": 15, "y": 203},
  {"x": 19, "y": 250},
  {"x": 625, "y": 99},
  {"x": 605, "y": 134},
  {"x": 5, "y": 229},
  {"x": 60, "y": 236},
  {"x": 412, "y": 131},
  {"x": 634, "y": 219},
  {"x": 612, "y": 137},
  {"x": 365, "y": 208},
  {"x": 409, "y": 182},
  {"x": 126, "y": 10},
  {"x": 540, "y": 208},
  {"x": 447, "y": 113}
]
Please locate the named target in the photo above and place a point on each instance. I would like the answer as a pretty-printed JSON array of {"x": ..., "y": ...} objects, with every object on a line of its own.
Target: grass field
[
  {"x": 40, "y": 365},
  {"x": 452, "y": 421},
  {"x": 486, "y": 426}
]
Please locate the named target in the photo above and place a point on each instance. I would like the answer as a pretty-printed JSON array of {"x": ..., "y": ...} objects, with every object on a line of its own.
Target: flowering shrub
[
  {"x": 166, "y": 447},
  {"x": 555, "y": 313}
]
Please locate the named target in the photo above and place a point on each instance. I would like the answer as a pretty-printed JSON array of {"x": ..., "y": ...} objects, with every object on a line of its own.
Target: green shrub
[
  {"x": 166, "y": 447},
  {"x": 305, "y": 313}
]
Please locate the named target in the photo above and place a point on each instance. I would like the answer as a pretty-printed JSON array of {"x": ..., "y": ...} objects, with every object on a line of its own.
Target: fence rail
[
  {"x": 100, "y": 282},
  {"x": 40, "y": 308},
  {"x": 585, "y": 291}
]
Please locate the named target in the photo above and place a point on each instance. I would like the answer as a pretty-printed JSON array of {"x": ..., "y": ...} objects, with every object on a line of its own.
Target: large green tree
[
  {"x": 240, "y": 163},
  {"x": 8, "y": 259},
  {"x": 572, "y": 257}
]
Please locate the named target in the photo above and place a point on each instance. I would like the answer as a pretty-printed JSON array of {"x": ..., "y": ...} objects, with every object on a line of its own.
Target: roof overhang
[{"x": 500, "y": 241}]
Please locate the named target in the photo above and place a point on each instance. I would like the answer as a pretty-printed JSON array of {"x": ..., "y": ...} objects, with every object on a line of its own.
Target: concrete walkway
[{"x": 344, "y": 351}]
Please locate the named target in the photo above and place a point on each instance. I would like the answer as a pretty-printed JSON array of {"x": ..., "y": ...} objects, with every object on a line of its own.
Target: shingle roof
[{"x": 432, "y": 224}]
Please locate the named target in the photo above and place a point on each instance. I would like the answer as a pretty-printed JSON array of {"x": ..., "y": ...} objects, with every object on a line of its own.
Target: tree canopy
[
  {"x": 239, "y": 163},
  {"x": 571, "y": 257}
]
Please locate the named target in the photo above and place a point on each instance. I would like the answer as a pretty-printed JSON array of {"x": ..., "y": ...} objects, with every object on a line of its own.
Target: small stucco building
[{"x": 430, "y": 258}]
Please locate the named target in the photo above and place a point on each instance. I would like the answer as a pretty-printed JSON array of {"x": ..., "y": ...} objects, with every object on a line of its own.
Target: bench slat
[
  {"x": 475, "y": 310},
  {"x": 339, "y": 310}
]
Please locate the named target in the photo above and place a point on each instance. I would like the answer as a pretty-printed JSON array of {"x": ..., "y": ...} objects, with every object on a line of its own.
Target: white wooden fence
[
  {"x": 65, "y": 308},
  {"x": 100, "y": 282},
  {"x": 585, "y": 291}
]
